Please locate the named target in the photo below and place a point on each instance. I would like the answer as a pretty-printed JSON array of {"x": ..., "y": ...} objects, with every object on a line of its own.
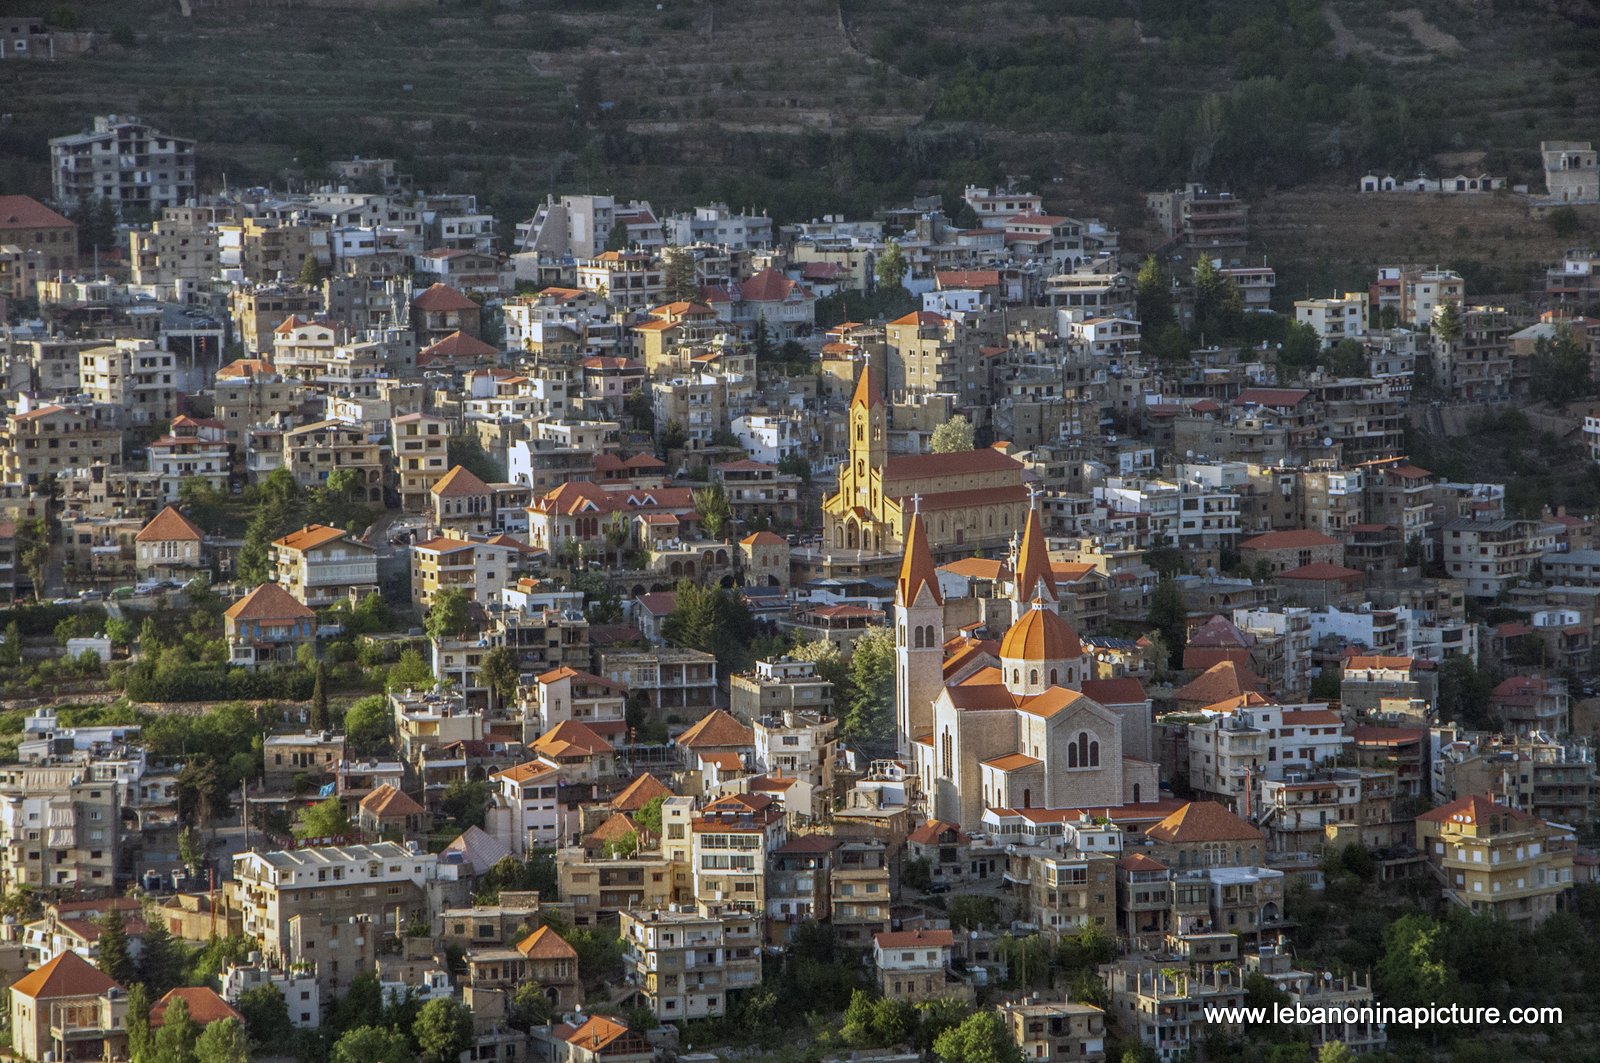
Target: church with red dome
[{"x": 1014, "y": 723}]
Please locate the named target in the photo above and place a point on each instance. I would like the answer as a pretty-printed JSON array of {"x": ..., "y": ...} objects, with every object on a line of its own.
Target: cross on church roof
[{"x": 916, "y": 505}]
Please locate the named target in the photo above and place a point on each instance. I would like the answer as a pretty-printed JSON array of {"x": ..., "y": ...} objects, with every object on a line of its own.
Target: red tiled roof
[
  {"x": 911, "y": 939},
  {"x": 546, "y": 944},
  {"x": 388, "y": 801},
  {"x": 1203, "y": 821},
  {"x": 439, "y": 297},
  {"x": 68, "y": 975},
  {"x": 921, "y": 466},
  {"x": 1124, "y": 691},
  {"x": 25, "y": 212},
  {"x": 571, "y": 738},
  {"x": 1298, "y": 539},
  {"x": 310, "y": 537},
  {"x": 169, "y": 526},
  {"x": 1271, "y": 397},
  {"x": 922, "y": 319},
  {"x": 205, "y": 1006},
  {"x": 458, "y": 481},
  {"x": 1474, "y": 809},
  {"x": 457, "y": 346},
  {"x": 718, "y": 728},
  {"x": 268, "y": 602},
  {"x": 640, "y": 792},
  {"x": 1319, "y": 571}
]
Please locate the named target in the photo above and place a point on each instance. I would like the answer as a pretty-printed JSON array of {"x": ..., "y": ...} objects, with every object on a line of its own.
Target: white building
[
  {"x": 1335, "y": 318},
  {"x": 298, "y": 986}
]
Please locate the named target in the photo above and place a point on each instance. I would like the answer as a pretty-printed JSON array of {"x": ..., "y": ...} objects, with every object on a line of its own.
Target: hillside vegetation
[{"x": 806, "y": 106}]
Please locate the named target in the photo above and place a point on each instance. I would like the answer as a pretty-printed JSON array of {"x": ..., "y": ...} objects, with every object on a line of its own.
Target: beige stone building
[
  {"x": 687, "y": 962},
  {"x": 53, "y": 440},
  {"x": 1496, "y": 860},
  {"x": 421, "y": 444},
  {"x": 315, "y": 451}
]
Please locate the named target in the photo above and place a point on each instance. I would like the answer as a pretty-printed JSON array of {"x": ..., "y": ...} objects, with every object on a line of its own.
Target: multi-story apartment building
[
  {"x": 1235, "y": 747},
  {"x": 421, "y": 447},
  {"x": 1166, "y": 1008},
  {"x": 1065, "y": 891},
  {"x": 267, "y": 626},
  {"x": 61, "y": 830},
  {"x": 330, "y": 905},
  {"x": 315, "y": 451},
  {"x": 193, "y": 449},
  {"x": 731, "y": 838},
  {"x": 1490, "y": 554},
  {"x": 668, "y": 681},
  {"x": 320, "y": 565},
  {"x": 249, "y": 392},
  {"x": 859, "y": 891},
  {"x": 52, "y": 440},
  {"x": 1336, "y": 318},
  {"x": 1423, "y": 291},
  {"x": 631, "y": 281},
  {"x": 1477, "y": 365},
  {"x": 478, "y": 568},
  {"x": 797, "y": 744},
  {"x": 1553, "y": 779},
  {"x": 756, "y": 490},
  {"x": 135, "y": 167},
  {"x": 37, "y": 231},
  {"x": 1496, "y": 860},
  {"x": 1334, "y": 993},
  {"x": 914, "y": 965},
  {"x": 778, "y": 686},
  {"x": 686, "y": 962},
  {"x": 600, "y": 888},
  {"x": 1056, "y": 1031},
  {"x": 173, "y": 249},
  {"x": 134, "y": 376}
]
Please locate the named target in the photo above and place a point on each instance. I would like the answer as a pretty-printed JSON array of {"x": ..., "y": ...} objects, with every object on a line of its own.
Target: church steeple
[
  {"x": 918, "y": 637},
  {"x": 916, "y": 569},
  {"x": 1034, "y": 578},
  {"x": 869, "y": 440}
]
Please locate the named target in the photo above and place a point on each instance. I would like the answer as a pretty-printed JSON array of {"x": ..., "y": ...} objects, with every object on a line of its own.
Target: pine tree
[
  {"x": 320, "y": 721},
  {"x": 113, "y": 956},
  {"x": 161, "y": 964},
  {"x": 141, "y": 1043}
]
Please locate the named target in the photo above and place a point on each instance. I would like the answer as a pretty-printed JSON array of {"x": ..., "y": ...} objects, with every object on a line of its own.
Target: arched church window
[
  {"x": 1094, "y": 754},
  {"x": 1072, "y": 755},
  {"x": 1027, "y": 798},
  {"x": 1033, "y": 677},
  {"x": 1052, "y": 677}
]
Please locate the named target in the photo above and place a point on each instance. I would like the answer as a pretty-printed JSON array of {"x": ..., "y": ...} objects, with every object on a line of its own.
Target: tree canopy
[{"x": 953, "y": 436}]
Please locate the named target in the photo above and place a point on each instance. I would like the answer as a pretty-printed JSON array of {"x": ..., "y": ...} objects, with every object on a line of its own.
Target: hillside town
[{"x": 623, "y": 635}]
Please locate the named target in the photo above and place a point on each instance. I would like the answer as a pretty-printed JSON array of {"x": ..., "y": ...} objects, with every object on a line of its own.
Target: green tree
[
  {"x": 33, "y": 551},
  {"x": 716, "y": 515},
  {"x": 467, "y": 452},
  {"x": 501, "y": 672},
  {"x": 1347, "y": 358},
  {"x": 443, "y": 1030},
  {"x": 311, "y": 272},
  {"x": 954, "y": 436},
  {"x": 971, "y": 911},
  {"x": 222, "y": 1041},
  {"x": 761, "y": 341},
  {"x": 410, "y": 672},
  {"x": 617, "y": 238},
  {"x": 890, "y": 269},
  {"x": 529, "y": 1007},
  {"x": 320, "y": 720},
  {"x": 1447, "y": 321},
  {"x": 1411, "y": 970},
  {"x": 191, "y": 849},
  {"x": 266, "y": 1015},
  {"x": 325, "y": 819},
  {"x": 466, "y": 802},
  {"x": 648, "y": 817},
  {"x": 1559, "y": 370},
  {"x": 121, "y": 631},
  {"x": 868, "y": 718},
  {"x": 1464, "y": 694},
  {"x": 202, "y": 503},
  {"x": 113, "y": 956},
  {"x": 1218, "y": 303},
  {"x": 1301, "y": 346},
  {"x": 710, "y": 619},
  {"x": 447, "y": 615},
  {"x": 678, "y": 280},
  {"x": 981, "y": 1038},
  {"x": 857, "y": 1028},
  {"x": 830, "y": 664},
  {"x": 368, "y": 724},
  {"x": 371, "y": 1044},
  {"x": 1152, "y": 294},
  {"x": 1170, "y": 616},
  {"x": 163, "y": 963},
  {"x": 141, "y": 1041},
  {"x": 1336, "y": 1052},
  {"x": 175, "y": 1041}
]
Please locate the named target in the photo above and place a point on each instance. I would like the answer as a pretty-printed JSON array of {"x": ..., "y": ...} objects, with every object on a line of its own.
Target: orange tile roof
[
  {"x": 596, "y": 1032},
  {"x": 1203, "y": 821},
  {"x": 442, "y": 297},
  {"x": 613, "y": 828},
  {"x": 921, "y": 466},
  {"x": 571, "y": 738},
  {"x": 455, "y": 347},
  {"x": 268, "y": 602},
  {"x": 922, "y": 319},
  {"x": 1033, "y": 561},
  {"x": 1140, "y": 862},
  {"x": 205, "y": 1006},
  {"x": 25, "y": 212},
  {"x": 640, "y": 792},
  {"x": 1474, "y": 809},
  {"x": 1012, "y": 762},
  {"x": 1298, "y": 539},
  {"x": 386, "y": 800},
  {"x": 1040, "y": 635},
  {"x": 68, "y": 975},
  {"x": 763, "y": 538},
  {"x": 724, "y": 762},
  {"x": 521, "y": 773},
  {"x": 1221, "y": 681},
  {"x": 717, "y": 728},
  {"x": 931, "y": 831},
  {"x": 310, "y": 537},
  {"x": 169, "y": 526},
  {"x": 458, "y": 481},
  {"x": 546, "y": 944}
]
